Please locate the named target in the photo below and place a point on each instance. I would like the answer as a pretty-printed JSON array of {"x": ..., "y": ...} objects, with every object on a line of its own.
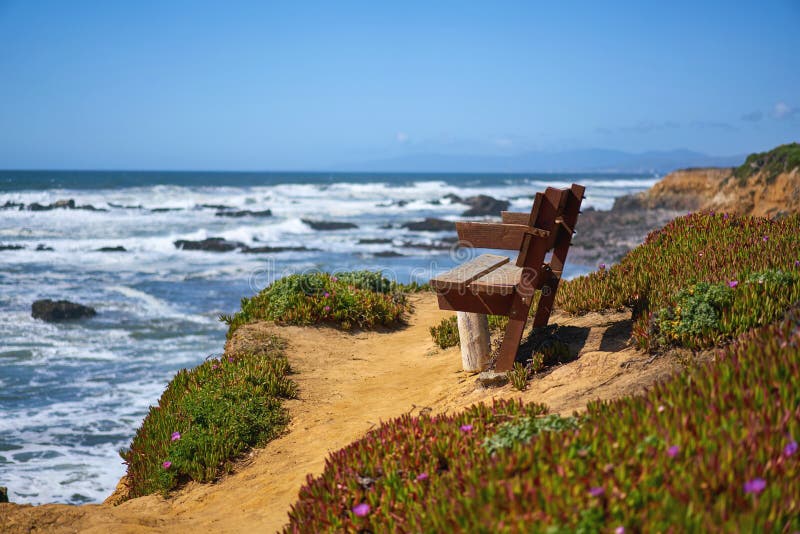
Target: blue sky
[{"x": 305, "y": 85}]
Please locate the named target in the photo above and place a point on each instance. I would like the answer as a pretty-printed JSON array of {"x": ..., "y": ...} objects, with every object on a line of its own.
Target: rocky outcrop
[
  {"x": 211, "y": 244},
  {"x": 244, "y": 213},
  {"x": 220, "y": 244},
  {"x": 67, "y": 204},
  {"x": 3, "y": 246},
  {"x": 430, "y": 224},
  {"x": 60, "y": 310},
  {"x": 374, "y": 241},
  {"x": 269, "y": 250},
  {"x": 112, "y": 249},
  {"x": 329, "y": 225},
  {"x": 483, "y": 205},
  {"x": 480, "y": 205}
]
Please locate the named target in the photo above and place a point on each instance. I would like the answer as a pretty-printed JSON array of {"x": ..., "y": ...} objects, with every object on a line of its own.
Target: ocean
[{"x": 72, "y": 394}]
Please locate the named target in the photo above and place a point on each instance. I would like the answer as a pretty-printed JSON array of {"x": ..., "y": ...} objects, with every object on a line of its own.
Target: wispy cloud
[
  {"x": 782, "y": 110},
  {"x": 753, "y": 116},
  {"x": 713, "y": 125}
]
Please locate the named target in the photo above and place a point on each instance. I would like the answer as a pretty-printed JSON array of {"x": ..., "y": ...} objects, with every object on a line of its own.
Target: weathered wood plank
[
  {"x": 495, "y": 235},
  {"x": 467, "y": 272},
  {"x": 502, "y": 281},
  {"x": 513, "y": 217}
]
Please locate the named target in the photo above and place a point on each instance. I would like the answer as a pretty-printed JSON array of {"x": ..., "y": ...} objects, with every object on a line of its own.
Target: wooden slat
[
  {"x": 500, "y": 281},
  {"x": 495, "y": 235},
  {"x": 467, "y": 272},
  {"x": 489, "y": 304},
  {"x": 514, "y": 217}
]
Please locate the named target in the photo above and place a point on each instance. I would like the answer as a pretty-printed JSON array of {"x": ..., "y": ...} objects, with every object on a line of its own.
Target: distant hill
[{"x": 585, "y": 160}]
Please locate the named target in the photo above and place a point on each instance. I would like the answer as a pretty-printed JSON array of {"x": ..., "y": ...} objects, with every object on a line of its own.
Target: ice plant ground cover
[
  {"x": 721, "y": 250},
  {"x": 357, "y": 299},
  {"x": 712, "y": 449},
  {"x": 207, "y": 417}
]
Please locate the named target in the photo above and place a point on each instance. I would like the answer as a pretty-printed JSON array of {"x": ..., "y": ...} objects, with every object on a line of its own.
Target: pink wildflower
[
  {"x": 167, "y": 464},
  {"x": 733, "y": 283},
  {"x": 422, "y": 476},
  {"x": 361, "y": 510},
  {"x": 466, "y": 428},
  {"x": 176, "y": 436},
  {"x": 596, "y": 491},
  {"x": 673, "y": 451},
  {"x": 327, "y": 308},
  {"x": 790, "y": 449},
  {"x": 755, "y": 486}
]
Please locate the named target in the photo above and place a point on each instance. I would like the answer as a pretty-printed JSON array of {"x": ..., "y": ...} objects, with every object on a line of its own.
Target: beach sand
[{"x": 349, "y": 383}]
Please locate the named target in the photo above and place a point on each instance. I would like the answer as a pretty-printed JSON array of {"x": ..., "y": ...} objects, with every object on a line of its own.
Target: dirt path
[{"x": 348, "y": 384}]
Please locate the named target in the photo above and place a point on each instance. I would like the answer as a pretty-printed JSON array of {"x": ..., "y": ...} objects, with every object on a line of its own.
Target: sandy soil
[{"x": 349, "y": 383}]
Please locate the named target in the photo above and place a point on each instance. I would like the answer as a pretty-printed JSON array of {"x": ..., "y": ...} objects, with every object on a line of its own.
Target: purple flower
[
  {"x": 327, "y": 308},
  {"x": 725, "y": 216},
  {"x": 326, "y": 295},
  {"x": 230, "y": 358},
  {"x": 602, "y": 266},
  {"x": 466, "y": 428},
  {"x": 790, "y": 449},
  {"x": 334, "y": 279},
  {"x": 673, "y": 451},
  {"x": 797, "y": 263},
  {"x": 619, "y": 530},
  {"x": 766, "y": 238},
  {"x": 596, "y": 491},
  {"x": 361, "y": 510},
  {"x": 167, "y": 464},
  {"x": 176, "y": 436},
  {"x": 733, "y": 283},
  {"x": 756, "y": 485},
  {"x": 422, "y": 476},
  {"x": 661, "y": 408},
  {"x": 214, "y": 366}
]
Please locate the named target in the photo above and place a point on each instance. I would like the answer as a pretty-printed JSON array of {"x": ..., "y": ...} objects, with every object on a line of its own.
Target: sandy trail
[{"x": 348, "y": 384}]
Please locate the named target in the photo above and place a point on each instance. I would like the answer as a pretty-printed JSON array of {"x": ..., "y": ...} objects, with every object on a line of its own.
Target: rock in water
[
  {"x": 484, "y": 205},
  {"x": 3, "y": 494},
  {"x": 211, "y": 244},
  {"x": 329, "y": 225},
  {"x": 430, "y": 224},
  {"x": 244, "y": 213},
  {"x": 60, "y": 310}
]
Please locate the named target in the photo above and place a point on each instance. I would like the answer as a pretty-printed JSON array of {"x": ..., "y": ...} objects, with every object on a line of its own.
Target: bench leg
[
  {"x": 513, "y": 336},
  {"x": 545, "y": 306},
  {"x": 473, "y": 331}
]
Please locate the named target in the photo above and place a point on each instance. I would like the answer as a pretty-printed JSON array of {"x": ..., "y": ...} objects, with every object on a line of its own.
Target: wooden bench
[{"x": 492, "y": 284}]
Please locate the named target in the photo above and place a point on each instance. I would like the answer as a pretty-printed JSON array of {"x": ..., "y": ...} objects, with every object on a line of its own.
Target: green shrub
[
  {"x": 360, "y": 299},
  {"x": 520, "y": 431},
  {"x": 697, "y": 312},
  {"x": 778, "y": 160},
  {"x": 207, "y": 417},
  {"x": 445, "y": 334},
  {"x": 702, "y": 247},
  {"x": 713, "y": 449}
]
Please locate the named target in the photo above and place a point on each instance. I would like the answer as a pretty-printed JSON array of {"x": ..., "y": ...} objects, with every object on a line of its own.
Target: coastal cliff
[{"x": 766, "y": 185}]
